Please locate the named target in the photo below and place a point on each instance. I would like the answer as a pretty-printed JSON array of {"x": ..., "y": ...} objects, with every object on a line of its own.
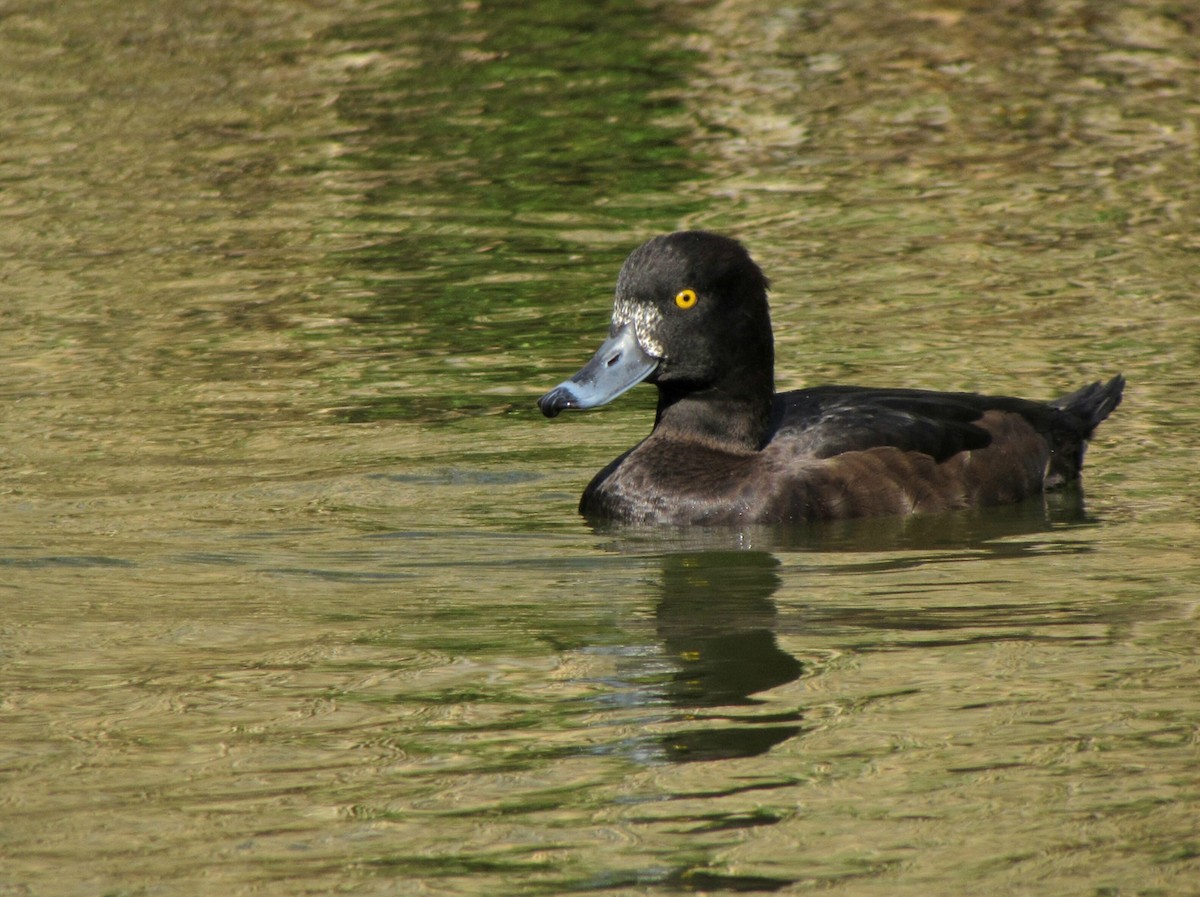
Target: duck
[{"x": 691, "y": 317}]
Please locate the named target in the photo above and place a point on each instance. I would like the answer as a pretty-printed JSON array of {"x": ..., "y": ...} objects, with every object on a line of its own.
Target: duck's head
[{"x": 691, "y": 317}]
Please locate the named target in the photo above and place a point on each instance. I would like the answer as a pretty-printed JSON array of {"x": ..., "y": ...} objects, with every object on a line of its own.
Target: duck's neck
[{"x": 734, "y": 421}]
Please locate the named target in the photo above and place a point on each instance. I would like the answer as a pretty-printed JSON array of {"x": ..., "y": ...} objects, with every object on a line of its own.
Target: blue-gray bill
[{"x": 618, "y": 365}]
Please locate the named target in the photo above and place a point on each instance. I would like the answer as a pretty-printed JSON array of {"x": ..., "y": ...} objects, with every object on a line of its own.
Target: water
[{"x": 295, "y": 596}]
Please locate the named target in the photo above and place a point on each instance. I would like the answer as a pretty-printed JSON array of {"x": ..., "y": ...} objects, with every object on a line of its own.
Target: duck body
[
  {"x": 842, "y": 452},
  {"x": 691, "y": 317}
]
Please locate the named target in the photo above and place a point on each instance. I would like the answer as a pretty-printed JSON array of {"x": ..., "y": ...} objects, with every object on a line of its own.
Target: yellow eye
[{"x": 685, "y": 298}]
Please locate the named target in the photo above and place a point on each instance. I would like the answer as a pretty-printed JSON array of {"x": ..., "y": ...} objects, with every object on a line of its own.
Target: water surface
[{"x": 296, "y": 598}]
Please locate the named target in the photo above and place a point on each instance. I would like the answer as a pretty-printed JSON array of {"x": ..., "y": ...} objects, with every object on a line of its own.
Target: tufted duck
[{"x": 691, "y": 317}]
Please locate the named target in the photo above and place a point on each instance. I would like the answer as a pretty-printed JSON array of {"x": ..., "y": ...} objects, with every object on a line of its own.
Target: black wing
[{"x": 827, "y": 420}]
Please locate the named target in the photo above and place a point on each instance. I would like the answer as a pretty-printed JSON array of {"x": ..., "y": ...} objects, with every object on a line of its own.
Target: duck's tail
[
  {"x": 1093, "y": 403},
  {"x": 1083, "y": 410}
]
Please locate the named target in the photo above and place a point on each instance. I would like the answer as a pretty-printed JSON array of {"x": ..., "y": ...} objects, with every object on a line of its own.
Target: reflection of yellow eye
[{"x": 685, "y": 298}]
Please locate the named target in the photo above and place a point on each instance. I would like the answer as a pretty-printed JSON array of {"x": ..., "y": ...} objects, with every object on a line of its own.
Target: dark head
[
  {"x": 703, "y": 302},
  {"x": 690, "y": 316}
]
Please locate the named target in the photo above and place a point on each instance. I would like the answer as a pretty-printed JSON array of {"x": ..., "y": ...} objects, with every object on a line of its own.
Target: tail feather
[
  {"x": 1083, "y": 410},
  {"x": 1093, "y": 403}
]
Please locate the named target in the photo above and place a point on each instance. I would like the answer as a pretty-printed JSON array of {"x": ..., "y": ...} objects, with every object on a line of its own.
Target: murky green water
[{"x": 295, "y": 596}]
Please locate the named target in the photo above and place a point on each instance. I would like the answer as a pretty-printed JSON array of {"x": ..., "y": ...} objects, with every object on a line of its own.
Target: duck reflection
[
  {"x": 716, "y": 618},
  {"x": 716, "y": 622}
]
